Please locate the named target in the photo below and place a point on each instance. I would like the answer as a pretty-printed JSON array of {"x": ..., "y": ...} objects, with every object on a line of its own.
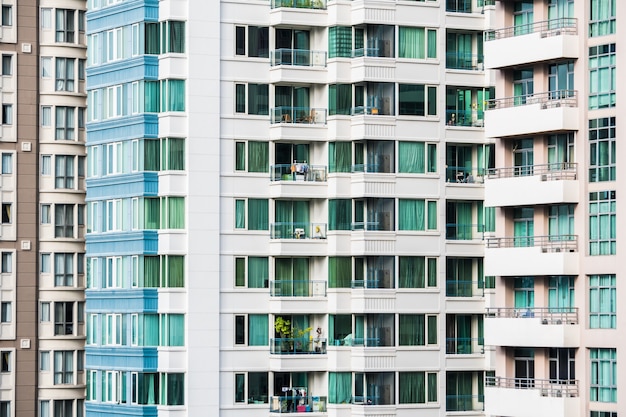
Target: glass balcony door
[
  {"x": 523, "y": 157},
  {"x": 294, "y": 45},
  {"x": 524, "y": 368},
  {"x": 523, "y": 16},
  {"x": 523, "y": 226},
  {"x": 292, "y": 276}
]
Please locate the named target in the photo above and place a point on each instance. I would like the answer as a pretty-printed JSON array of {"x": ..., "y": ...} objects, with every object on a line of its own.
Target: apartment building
[
  {"x": 285, "y": 207},
  {"x": 554, "y": 252},
  {"x": 42, "y": 186}
]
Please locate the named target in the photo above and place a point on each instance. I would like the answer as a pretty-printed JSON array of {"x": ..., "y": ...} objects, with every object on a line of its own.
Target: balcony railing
[
  {"x": 298, "y": 57},
  {"x": 548, "y": 100},
  {"x": 553, "y": 27},
  {"x": 548, "y": 315},
  {"x": 298, "y": 115},
  {"x": 298, "y": 346},
  {"x": 368, "y": 400},
  {"x": 371, "y": 226},
  {"x": 456, "y": 231},
  {"x": 548, "y": 387},
  {"x": 298, "y": 288},
  {"x": 370, "y": 283},
  {"x": 291, "y": 230},
  {"x": 460, "y": 288},
  {"x": 298, "y": 172},
  {"x": 459, "y": 6},
  {"x": 371, "y": 110},
  {"x": 465, "y": 175},
  {"x": 554, "y": 243},
  {"x": 298, "y": 404},
  {"x": 465, "y": 402},
  {"x": 300, "y": 4},
  {"x": 375, "y": 168},
  {"x": 464, "y": 345},
  {"x": 467, "y": 118},
  {"x": 464, "y": 61},
  {"x": 548, "y": 172}
]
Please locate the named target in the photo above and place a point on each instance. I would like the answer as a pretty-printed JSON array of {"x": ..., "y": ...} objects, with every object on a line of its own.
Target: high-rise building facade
[
  {"x": 285, "y": 207},
  {"x": 554, "y": 321},
  {"x": 43, "y": 52}
]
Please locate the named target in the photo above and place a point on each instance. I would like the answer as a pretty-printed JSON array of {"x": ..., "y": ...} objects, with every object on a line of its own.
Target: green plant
[{"x": 283, "y": 327}]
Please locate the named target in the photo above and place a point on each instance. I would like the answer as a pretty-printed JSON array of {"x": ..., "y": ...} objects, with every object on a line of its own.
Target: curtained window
[
  {"x": 412, "y": 329},
  {"x": 339, "y": 99},
  {"x": 340, "y": 42},
  {"x": 339, "y": 387},
  {"x": 411, "y": 157},
  {"x": 339, "y": 272},
  {"x": 258, "y": 330},
  {"x": 340, "y": 214},
  {"x": 340, "y": 156},
  {"x": 412, "y": 386},
  {"x": 258, "y": 214},
  {"x": 417, "y": 215}
]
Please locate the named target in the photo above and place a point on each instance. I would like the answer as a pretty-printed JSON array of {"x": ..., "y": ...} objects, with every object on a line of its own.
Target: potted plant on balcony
[{"x": 283, "y": 328}]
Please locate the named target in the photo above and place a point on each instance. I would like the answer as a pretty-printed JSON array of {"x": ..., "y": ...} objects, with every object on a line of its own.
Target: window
[
  {"x": 417, "y": 330},
  {"x": 172, "y": 389},
  {"x": 65, "y": 25},
  {"x": 64, "y": 367},
  {"x": 257, "y": 214},
  {"x": 417, "y": 215},
  {"x": 602, "y": 302},
  {"x": 113, "y": 102},
  {"x": 6, "y": 312},
  {"x": 172, "y": 332},
  {"x": 339, "y": 99},
  {"x": 7, "y": 114},
  {"x": 339, "y": 387},
  {"x": 417, "y": 272},
  {"x": 417, "y": 387},
  {"x": 63, "y": 220},
  {"x": 114, "y": 330},
  {"x": 417, "y": 157},
  {"x": 340, "y": 42},
  {"x": 64, "y": 171},
  {"x": 251, "y": 388},
  {"x": 602, "y": 223},
  {"x": 603, "y": 375},
  {"x": 173, "y": 37},
  {"x": 602, "y": 20},
  {"x": 340, "y": 156},
  {"x": 257, "y": 102},
  {"x": 256, "y": 275},
  {"x": 602, "y": 414},
  {"x": 602, "y": 76},
  {"x": 602, "y": 153},
  {"x": 172, "y": 212},
  {"x": 63, "y": 269},
  {"x": 7, "y": 15},
  {"x": 6, "y": 213},
  {"x": 252, "y": 333},
  {"x": 417, "y": 100},
  {"x": 113, "y": 272},
  {"x": 63, "y": 318},
  {"x": 5, "y": 361},
  {"x": 255, "y": 160},
  {"x": 7, "y": 262},
  {"x": 64, "y": 123},
  {"x": 257, "y": 44},
  {"x": 112, "y": 383},
  {"x": 5, "y": 406},
  {"x": 172, "y": 95},
  {"x": 340, "y": 214},
  {"x": 64, "y": 79},
  {"x": 7, "y": 64},
  {"x": 114, "y": 160},
  {"x": 7, "y": 163},
  {"x": 417, "y": 43},
  {"x": 172, "y": 154}
]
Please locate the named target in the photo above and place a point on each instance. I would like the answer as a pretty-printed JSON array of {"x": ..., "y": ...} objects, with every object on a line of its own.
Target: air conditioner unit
[{"x": 544, "y": 177}]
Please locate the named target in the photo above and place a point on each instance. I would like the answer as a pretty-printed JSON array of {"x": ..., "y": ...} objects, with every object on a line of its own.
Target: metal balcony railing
[
  {"x": 552, "y": 27},
  {"x": 548, "y": 387},
  {"x": 547, "y": 100},
  {"x": 465, "y": 345},
  {"x": 548, "y": 172},
  {"x": 462, "y": 288},
  {"x": 464, "y": 61},
  {"x": 465, "y": 175},
  {"x": 298, "y": 346},
  {"x": 301, "y": 172},
  {"x": 466, "y": 118},
  {"x": 548, "y": 244},
  {"x": 455, "y": 231},
  {"x": 548, "y": 315},
  {"x": 297, "y": 230},
  {"x": 297, "y": 288},
  {"x": 298, "y": 57}
]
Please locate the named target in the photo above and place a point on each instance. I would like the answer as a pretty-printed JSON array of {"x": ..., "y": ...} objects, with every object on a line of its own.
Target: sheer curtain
[
  {"x": 411, "y": 157},
  {"x": 411, "y": 214},
  {"x": 176, "y": 212},
  {"x": 412, "y": 329},
  {"x": 412, "y": 42},
  {"x": 411, "y": 272},
  {"x": 412, "y": 387},
  {"x": 176, "y": 271},
  {"x": 340, "y": 214},
  {"x": 339, "y": 272},
  {"x": 258, "y": 272},
  {"x": 258, "y": 156},
  {"x": 258, "y": 330},
  {"x": 340, "y": 156},
  {"x": 258, "y": 214},
  {"x": 151, "y": 268},
  {"x": 339, "y": 387}
]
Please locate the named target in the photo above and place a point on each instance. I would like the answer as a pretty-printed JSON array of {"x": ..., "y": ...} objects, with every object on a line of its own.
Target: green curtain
[
  {"x": 412, "y": 42},
  {"x": 339, "y": 387},
  {"x": 152, "y": 96},
  {"x": 151, "y": 38},
  {"x": 340, "y": 42},
  {"x": 432, "y": 44},
  {"x": 176, "y": 154},
  {"x": 339, "y": 272},
  {"x": 176, "y": 271},
  {"x": 176, "y": 37},
  {"x": 411, "y": 214},
  {"x": 340, "y": 214},
  {"x": 339, "y": 99},
  {"x": 301, "y": 277},
  {"x": 240, "y": 272},
  {"x": 258, "y": 99},
  {"x": 240, "y": 214},
  {"x": 151, "y": 267},
  {"x": 151, "y": 213},
  {"x": 258, "y": 156},
  {"x": 432, "y": 330},
  {"x": 176, "y": 95},
  {"x": 464, "y": 221},
  {"x": 258, "y": 272},
  {"x": 411, "y": 272},
  {"x": 412, "y": 329},
  {"x": 432, "y": 272},
  {"x": 283, "y": 274},
  {"x": 432, "y": 215},
  {"x": 432, "y": 387},
  {"x": 258, "y": 330},
  {"x": 151, "y": 153},
  {"x": 411, "y": 157},
  {"x": 176, "y": 329},
  {"x": 176, "y": 212},
  {"x": 258, "y": 214},
  {"x": 412, "y": 387},
  {"x": 148, "y": 330},
  {"x": 340, "y": 156}
]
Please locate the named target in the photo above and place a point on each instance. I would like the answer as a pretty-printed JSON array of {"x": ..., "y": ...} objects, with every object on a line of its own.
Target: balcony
[
  {"x": 460, "y": 288},
  {"x": 467, "y": 403},
  {"x": 555, "y": 183},
  {"x": 297, "y": 66},
  {"x": 298, "y": 239},
  {"x": 307, "y": 13},
  {"x": 535, "y": 42},
  {"x": 465, "y": 118},
  {"x": 465, "y": 345},
  {"x": 298, "y": 123},
  {"x": 464, "y": 61},
  {"x": 532, "y": 255},
  {"x": 549, "y": 327},
  {"x": 298, "y": 404},
  {"x": 532, "y": 398},
  {"x": 455, "y": 231},
  {"x": 298, "y": 231},
  {"x": 303, "y": 181},
  {"x": 298, "y": 346},
  {"x": 465, "y": 175},
  {"x": 297, "y": 288},
  {"x": 532, "y": 114}
]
